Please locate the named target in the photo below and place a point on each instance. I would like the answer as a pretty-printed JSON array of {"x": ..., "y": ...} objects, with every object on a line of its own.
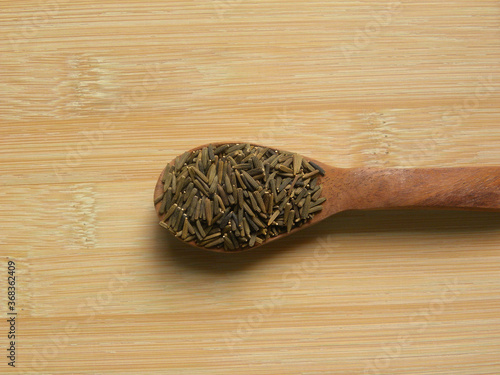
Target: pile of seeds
[{"x": 238, "y": 195}]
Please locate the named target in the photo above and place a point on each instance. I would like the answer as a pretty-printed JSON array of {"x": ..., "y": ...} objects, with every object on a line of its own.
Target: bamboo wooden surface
[{"x": 95, "y": 99}]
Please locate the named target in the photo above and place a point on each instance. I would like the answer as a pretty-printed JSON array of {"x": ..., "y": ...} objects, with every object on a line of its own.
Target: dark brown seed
[
  {"x": 307, "y": 166},
  {"x": 301, "y": 194},
  {"x": 251, "y": 180},
  {"x": 222, "y": 206},
  {"x": 284, "y": 168},
  {"x": 258, "y": 222},
  {"x": 214, "y": 243},
  {"x": 297, "y": 214},
  {"x": 306, "y": 207},
  {"x": 221, "y": 148},
  {"x": 288, "y": 161},
  {"x": 190, "y": 228},
  {"x": 310, "y": 174},
  {"x": 288, "y": 207},
  {"x": 259, "y": 177},
  {"x": 240, "y": 197},
  {"x": 234, "y": 219},
  {"x": 262, "y": 151},
  {"x": 256, "y": 172},
  {"x": 170, "y": 211},
  {"x": 251, "y": 223},
  {"x": 192, "y": 208},
  {"x": 200, "y": 228},
  {"x": 215, "y": 205},
  {"x": 315, "y": 209},
  {"x": 222, "y": 194},
  {"x": 284, "y": 183},
  {"x": 211, "y": 236},
  {"x": 177, "y": 196},
  {"x": 234, "y": 240},
  {"x": 211, "y": 153},
  {"x": 159, "y": 198},
  {"x": 213, "y": 188},
  {"x": 166, "y": 172},
  {"x": 253, "y": 202},
  {"x": 260, "y": 201},
  {"x": 242, "y": 166},
  {"x": 227, "y": 216},
  {"x": 163, "y": 206},
  {"x": 191, "y": 173},
  {"x": 248, "y": 209},
  {"x": 208, "y": 230},
  {"x": 246, "y": 226},
  {"x": 280, "y": 196},
  {"x": 283, "y": 203},
  {"x": 267, "y": 169},
  {"x": 178, "y": 224},
  {"x": 321, "y": 170},
  {"x": 271, "y": 204},
  {"x": 185, "y": 228},
  {"x": 203, "y": 215},
  {"x": 190, "y": 238},
  {"x": 190, "y": 197},
  {"x": 197, "y": 212},
  {"x": 253, "y": 237},
  {"x": 204, "y": 157},
  {"x": 191, "y": 157},
  {"x": 240, "y": 180},
  {"x": 212, "y": 172},
  {"x": 235, "y": 148},
  {"x": 243, "y": 233},
  {"x": 266, "y": 198},
  {"x": 179, "y": 161},
  {"x": 217, "y": 217},
  {"x": 318, "y": 201},
  {"x": 208, "y": 211},
  {"x": 273, "y": 188},
  {"x": 317, "y": 194},
  {"x": 232, "y": 162},
  {"x": 201, "y": 187},
  {"x": 290, "y": 221},
  {"x": 301, "y": 203},
  {"x": 274, "y": 161},
  {"x": 239, "y": 215},
  {"x": 228, "y": 242},
  {"x": 201, "y": 175},
  {"x": 198, "y": 234},
  {"x": 168, "y": 181},
  {"x": 273, "y": 216},
  {"x": 174, "y": 183},
  {"x": 297, "y": 163},
  {"x": 271, "y": 177},
  {"x": 220, "y": 171},
  {"x": 292, "y": 185},
  {"x": 227, "y": 184}
]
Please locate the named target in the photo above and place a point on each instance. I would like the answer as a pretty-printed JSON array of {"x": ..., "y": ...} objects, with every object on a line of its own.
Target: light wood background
[{"x": 97, "y": 96}]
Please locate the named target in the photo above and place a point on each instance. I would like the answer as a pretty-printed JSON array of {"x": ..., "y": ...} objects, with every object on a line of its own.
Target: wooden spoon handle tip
[{"x": 469, "y": 188}]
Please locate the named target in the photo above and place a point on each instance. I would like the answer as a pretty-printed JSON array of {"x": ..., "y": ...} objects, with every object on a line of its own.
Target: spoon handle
[{"x": 467, "y": 188}]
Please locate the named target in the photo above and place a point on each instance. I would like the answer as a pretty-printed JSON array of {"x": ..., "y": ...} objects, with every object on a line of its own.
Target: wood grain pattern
[
  {"x": 95, "y": 99},
  {"x": 467, "y": 188}
]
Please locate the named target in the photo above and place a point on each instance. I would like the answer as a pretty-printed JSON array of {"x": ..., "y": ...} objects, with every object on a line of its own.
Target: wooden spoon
[{"x": 462, "y": 188}]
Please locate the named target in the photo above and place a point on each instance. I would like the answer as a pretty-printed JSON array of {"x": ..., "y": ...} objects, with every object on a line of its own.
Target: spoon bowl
[{"x": 463, "y": 188}]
